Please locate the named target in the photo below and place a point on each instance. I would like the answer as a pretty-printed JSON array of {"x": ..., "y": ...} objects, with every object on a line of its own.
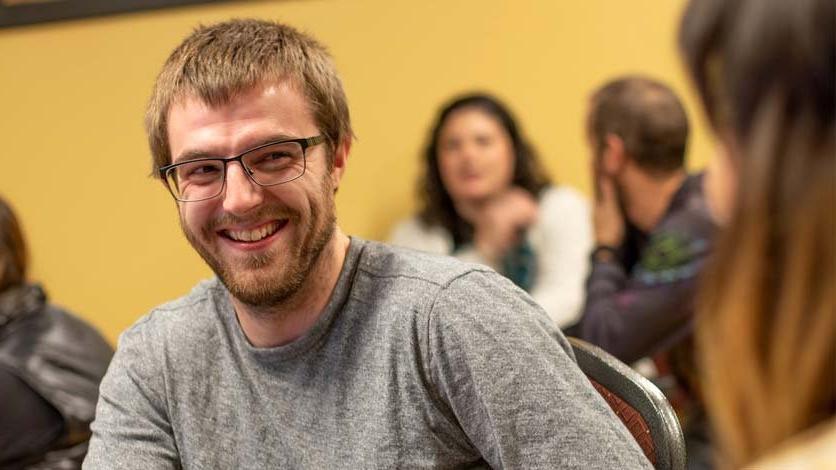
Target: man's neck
[
  {"x": 288, "y": 322},
  {"x": 650, "y": 198}
]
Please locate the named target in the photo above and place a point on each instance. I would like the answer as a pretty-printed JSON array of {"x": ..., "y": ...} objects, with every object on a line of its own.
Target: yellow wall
[{"x": 104, "y": 236}]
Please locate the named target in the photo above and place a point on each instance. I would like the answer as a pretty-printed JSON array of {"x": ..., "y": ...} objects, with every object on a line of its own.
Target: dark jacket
[
  {"x": 60, "y": 358},
  {"x": 642, "y": 306}
]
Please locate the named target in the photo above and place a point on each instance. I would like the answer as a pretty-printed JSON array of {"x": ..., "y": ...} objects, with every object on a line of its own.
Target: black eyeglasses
[{"x": 266, "y": 165}]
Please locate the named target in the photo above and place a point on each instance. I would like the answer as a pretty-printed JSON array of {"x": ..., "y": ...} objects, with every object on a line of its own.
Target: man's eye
[
  {"x": 203, "y": 170},
  {"x": 271, "y": 161},
  {"x": 200, "y": 172},
  {"x": 276, "y": 156}
]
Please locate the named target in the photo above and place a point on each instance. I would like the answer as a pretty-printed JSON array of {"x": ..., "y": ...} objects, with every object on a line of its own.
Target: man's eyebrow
[
  {"x": 269, "y": 140},
  {"x": 194, "y": 155},
  {"x": 201, "y": 154}
]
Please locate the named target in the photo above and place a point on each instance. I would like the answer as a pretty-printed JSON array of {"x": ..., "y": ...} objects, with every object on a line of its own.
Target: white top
[{"x": 561, "y": 238}]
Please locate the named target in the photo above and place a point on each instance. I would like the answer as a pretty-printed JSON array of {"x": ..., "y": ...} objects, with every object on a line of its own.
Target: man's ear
[
  {"x": 340, "y": 160},
  {"x": 614, "y": 157}
]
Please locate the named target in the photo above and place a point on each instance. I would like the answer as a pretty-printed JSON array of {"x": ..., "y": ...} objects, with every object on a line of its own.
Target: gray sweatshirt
[{"x": 417, "y": 361}]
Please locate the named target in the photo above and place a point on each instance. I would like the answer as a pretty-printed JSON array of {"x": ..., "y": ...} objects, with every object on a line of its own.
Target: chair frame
[{"x": 640, "y": 394}]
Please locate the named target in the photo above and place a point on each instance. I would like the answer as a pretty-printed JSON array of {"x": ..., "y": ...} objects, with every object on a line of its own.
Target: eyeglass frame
[{"x": 304, "y": 142}]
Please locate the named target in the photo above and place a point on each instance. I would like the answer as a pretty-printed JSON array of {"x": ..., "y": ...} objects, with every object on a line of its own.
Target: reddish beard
[{"x": 250, "y": 279}]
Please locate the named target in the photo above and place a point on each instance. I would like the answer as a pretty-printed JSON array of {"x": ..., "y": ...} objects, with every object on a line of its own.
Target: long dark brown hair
[
  {"x": 437, "y": 205},
  {"x": 13, "y": 255},
  {"x": 766, "y": 332}
]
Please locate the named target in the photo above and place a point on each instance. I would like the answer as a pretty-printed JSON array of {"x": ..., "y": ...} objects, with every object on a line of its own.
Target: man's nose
[{"x": 242, "y": 194}]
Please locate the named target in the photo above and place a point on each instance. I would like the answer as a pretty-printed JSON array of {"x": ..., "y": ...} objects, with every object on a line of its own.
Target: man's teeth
[{"x": 253, "y": 235}]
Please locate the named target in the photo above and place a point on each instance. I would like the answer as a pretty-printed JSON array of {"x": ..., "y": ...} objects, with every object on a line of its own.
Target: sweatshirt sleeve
[
  {"x": 510, "y": 379},
  {"x": 650, "y": 309},
  {"x": 132, "y": 428}
]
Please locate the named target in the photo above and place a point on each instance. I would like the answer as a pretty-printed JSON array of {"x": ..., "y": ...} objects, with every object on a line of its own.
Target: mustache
[{"x": 262, "y": 213}]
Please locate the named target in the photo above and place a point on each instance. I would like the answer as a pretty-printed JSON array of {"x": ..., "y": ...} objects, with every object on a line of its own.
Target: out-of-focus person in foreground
[
  {"x": 51, "y": 363},
  {"x": 766, "y": 334}
]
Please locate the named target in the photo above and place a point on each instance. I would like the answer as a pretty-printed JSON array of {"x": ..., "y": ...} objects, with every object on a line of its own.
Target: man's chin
[{"x": 262, "y": 289}]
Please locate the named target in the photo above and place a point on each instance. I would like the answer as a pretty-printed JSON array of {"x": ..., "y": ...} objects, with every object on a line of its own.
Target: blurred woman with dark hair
[
  {"x": 486, "y": 199},
  {"x": 766, "y": 332},
  {"x": 51, "y": 364}
]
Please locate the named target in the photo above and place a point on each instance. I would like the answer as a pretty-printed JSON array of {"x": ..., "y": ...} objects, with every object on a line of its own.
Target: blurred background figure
[
  {"x": 652, "y": 232},
  {"x": 766, "y": 333},
  {"x": 50, "y": 367},
  {"x": 486, "y": 199}
]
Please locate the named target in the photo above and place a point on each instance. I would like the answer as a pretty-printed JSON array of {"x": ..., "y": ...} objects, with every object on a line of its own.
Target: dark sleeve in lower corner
[
  {"x": 29, "y": 425},
  {"x": 604, "y": 280}
]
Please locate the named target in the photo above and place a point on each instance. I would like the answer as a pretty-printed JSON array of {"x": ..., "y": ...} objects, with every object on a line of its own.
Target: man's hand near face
[{"x": 608, "y": 220}]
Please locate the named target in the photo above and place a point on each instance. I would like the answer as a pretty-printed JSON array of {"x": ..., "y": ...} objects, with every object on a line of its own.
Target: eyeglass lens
[{"x": 270, "y": 165}]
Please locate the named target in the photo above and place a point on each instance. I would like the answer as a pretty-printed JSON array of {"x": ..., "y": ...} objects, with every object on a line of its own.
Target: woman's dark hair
[
  {"x": 437, "y": 205},
  {"x": 13, "y": 254},
  {"x": 766, "y": 73}
]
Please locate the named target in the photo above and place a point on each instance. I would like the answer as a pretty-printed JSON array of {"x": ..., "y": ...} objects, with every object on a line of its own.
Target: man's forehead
[
  {"x": 282, "y": 92},
  {"x": 267, "y": 108}
]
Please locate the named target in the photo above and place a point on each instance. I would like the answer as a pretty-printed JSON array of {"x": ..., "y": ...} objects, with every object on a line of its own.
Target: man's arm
[
  {"x": 635, "y": 316},
  {"x": 132, "y": 429},
  {"x": 509, "y": 378}
]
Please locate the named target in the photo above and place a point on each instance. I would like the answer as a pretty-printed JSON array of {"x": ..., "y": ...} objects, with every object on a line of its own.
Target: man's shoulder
[
  {"x": 193, "y": 314},
  {"x": 382, "y": 260},
  {"x": 679, "y": 245},
  {"x": 689, "y": 214},
  {"x": 689, "y": 221},
  {"x": 455, "y": 294}
]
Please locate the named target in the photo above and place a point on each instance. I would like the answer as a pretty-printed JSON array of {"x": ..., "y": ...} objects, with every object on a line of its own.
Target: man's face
[{"x": 262, "y": 242}]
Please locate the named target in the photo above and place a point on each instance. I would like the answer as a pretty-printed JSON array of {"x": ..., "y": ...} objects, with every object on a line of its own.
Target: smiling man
[{"x": 311, "y": 349}]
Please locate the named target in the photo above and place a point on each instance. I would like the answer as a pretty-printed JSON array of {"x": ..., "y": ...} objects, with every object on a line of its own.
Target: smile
[{"x": 256, "y": 234}]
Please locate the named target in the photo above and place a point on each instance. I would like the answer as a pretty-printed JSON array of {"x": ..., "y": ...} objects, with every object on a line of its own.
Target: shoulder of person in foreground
[
  {"x": 73, "y": 358},
  {"x": 562, "y": 238},
  {"x": 57, "y": 354},
  {"x": 132, "y": 429},
  {"x": 507, "y": 374},
  {"x": 53, "y": 362}
]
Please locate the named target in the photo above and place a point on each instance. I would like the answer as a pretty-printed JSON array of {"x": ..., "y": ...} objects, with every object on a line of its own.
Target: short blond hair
[{"x": 217, "y": 63}]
